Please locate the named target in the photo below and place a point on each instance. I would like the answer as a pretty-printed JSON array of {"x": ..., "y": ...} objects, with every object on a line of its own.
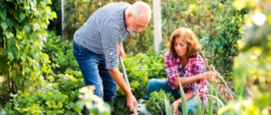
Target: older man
[{"x": 98, "y": 43}]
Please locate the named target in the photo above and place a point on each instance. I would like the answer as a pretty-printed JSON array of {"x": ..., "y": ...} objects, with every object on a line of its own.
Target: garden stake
[{"x": 126, "y": 81}]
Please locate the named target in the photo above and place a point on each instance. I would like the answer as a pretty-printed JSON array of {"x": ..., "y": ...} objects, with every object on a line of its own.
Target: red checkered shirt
[{"x": 194, "y": 66}]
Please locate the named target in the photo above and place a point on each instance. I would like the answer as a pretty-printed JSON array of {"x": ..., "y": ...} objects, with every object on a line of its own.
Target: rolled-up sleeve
[
  {"x": 170, "y": 67},
  {"x": 109, "y": 37},
  {"x": 199, "y": 86}
]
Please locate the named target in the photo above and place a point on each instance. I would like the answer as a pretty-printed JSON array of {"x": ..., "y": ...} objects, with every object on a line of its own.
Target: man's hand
[
  {"x": 121, "y": 51},
  {"x": 131, "y": 102}
]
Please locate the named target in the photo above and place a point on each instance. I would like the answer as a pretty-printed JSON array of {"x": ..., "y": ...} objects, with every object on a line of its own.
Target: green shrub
[
  {"x": 60, "y": 52},
  {"x": 156, "y": 104},
  {"x": 49, "y": 98},
  {"x": 93, "y": 103},
  {"x": 139, "y": 69},
  {"x": 22, "y": 36}
]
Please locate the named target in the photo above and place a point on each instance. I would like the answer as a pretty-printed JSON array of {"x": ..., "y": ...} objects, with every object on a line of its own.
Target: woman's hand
[
  {"x": 175, "y": 105},
  {"x": 209, "y": 75}
]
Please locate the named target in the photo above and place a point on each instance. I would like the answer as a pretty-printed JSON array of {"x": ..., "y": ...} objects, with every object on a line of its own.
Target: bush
[
  {"x": 139, "y": 70},
  {"x": 156, "y": 104},
  {"x": 22, "y": 36},
  {"x": 60, "y": 52}
]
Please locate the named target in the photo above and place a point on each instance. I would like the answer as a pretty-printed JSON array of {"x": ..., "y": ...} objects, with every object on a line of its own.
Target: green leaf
[
  {"x": 8, "y": 34},
  {"x": 26, "y": 83},
  {"x": 79, "y": 105},
  {"x": 53, "y": 15},
  {"x": 4, "y": 14},
  {"x": 50, "y": 2},
  {"x": 184, "y": 105},
  {"x": 10, "y": 56},
  {"x": 22, "y": 16},
  {"x": 167, "y": 107},
  {"x": 26, "y": 29},
  {"x": 5, "y": 52},
  {"x": 199, "y": 105},
  {"x": 4, "y": 25},
  {"x": 211, "y": 100},
  {"x": 18, "y": 54}
]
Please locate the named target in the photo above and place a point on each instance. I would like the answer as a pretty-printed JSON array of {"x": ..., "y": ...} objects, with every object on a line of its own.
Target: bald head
[
  {"x": 141, "y": 9},
  {"x": 137, "y": 16}
]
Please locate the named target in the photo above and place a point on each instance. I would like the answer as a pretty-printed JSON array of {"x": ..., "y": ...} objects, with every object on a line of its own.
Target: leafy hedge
[{"x": 22, "y": 36}]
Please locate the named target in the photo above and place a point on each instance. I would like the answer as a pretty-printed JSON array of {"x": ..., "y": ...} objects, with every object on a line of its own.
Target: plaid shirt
[{"x": 194, "y": 66}]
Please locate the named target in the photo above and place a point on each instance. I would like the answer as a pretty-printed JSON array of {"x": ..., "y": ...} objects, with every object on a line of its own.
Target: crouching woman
[{"x": 182, "y": 58}]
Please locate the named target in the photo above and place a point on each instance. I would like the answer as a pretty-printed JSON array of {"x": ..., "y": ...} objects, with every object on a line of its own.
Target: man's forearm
[
  {"x": 120, "y": 81},
  {"x": 188, "y": 80}
]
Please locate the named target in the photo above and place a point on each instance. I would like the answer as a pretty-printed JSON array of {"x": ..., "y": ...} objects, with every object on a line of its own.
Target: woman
[{"x": 183, "y": 57}]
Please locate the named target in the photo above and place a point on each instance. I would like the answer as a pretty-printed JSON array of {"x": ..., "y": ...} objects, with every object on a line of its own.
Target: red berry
[
  {"x": 213, "y": 32},
  {"x": 120, "y": 0},
  {"x": 182, "y": 16}
]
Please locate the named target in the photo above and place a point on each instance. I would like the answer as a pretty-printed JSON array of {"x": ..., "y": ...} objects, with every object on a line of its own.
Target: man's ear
[{"x": 130, "y": 14}]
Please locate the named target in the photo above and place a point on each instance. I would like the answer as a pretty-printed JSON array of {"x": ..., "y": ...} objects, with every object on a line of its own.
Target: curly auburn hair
[{"x": 193, "y": 45}]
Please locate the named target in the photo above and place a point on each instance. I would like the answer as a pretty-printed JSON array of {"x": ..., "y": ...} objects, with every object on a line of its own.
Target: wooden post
[
  {"x": 62, "y": 17},
  {"x": 157, "y": 24}
]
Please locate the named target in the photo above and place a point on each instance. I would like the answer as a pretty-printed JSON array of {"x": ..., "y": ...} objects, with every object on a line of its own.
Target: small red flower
[{"x": 213, "y": 32}]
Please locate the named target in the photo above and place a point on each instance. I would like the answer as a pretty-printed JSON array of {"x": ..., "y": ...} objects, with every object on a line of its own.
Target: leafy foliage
[
  {"x": 156, "y": 104},
  {"x": 94, "y": 104},
  {"x": 139, "y": 70},
  {"x": 22, "y": 36},
  {"x": 252, "y": 66},
  {"x": 60, "y": 52},
  {"x": 50, "y": 98}
]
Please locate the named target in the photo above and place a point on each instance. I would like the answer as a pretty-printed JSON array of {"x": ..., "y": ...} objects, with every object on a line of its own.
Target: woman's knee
[{"x": 152, "y": 82}]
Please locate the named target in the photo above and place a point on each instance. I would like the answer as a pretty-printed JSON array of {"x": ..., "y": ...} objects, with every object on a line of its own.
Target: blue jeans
[
  {"x": 157, "y": 84},
  {"x": 95, "y": 73}
]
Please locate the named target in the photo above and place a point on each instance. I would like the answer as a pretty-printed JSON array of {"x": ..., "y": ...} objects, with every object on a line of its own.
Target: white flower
[
  {"x": 1, "y": 79},
  {"x": 259, "y": 19},
  {"x": 88, "y": 104},
  {"x": 237, "y": 106},
  {"x": 83, "y": 90},
  {"x": 80, "y": 96},
  {"x": 253, "y": 56},
  {"x": 246, "y": 102}
]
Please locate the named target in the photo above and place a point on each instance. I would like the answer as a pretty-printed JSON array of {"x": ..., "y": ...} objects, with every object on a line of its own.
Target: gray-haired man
[{"x": 98, "y": 43}]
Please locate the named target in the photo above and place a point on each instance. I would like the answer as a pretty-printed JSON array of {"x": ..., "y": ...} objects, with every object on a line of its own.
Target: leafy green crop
[
  {"x": 156, "y": 104},
  {"x": 139, "y": 70}
]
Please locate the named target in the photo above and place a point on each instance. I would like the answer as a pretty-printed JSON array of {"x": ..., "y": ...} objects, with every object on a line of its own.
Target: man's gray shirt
[{"x": 104, "y": 31}]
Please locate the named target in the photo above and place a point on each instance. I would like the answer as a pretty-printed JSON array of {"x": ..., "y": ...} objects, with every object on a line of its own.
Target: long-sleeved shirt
[
  {"x": 104, "y": 31},
  {"x": 194, "y": 66}
]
